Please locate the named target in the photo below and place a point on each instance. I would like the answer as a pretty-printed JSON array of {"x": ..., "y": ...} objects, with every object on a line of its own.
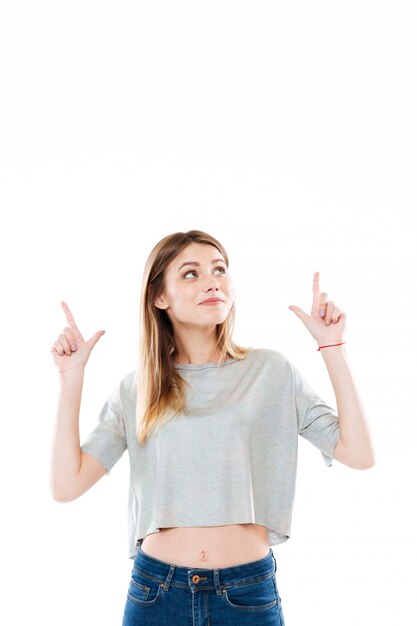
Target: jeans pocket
[
  {"x": 143, "y": 589},
  {"x": 256, "y": 595}
]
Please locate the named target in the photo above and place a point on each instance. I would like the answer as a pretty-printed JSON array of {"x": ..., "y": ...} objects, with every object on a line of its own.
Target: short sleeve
[
  {"x": 317, "y": 421},
  {"x": 107, "y": 441}
]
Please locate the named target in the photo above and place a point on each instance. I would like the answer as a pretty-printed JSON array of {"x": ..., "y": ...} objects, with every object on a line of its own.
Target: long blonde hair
[{"x": 160, "y": 387}]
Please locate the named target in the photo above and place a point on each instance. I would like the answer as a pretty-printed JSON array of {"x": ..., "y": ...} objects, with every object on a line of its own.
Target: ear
[{"x": 160, "y": 303}]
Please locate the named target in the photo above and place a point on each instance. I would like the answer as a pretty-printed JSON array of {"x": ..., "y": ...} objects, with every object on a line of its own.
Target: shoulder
[
  {"x": 270, "y": 358},
  {"x": 127, "y": 384},
  {"x": 123, "y": 391},
  {"x": 268, "y": 355}
]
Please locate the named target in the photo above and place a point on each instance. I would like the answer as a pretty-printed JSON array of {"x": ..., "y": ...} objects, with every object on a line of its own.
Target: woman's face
[{"x": 187, "y": 285}]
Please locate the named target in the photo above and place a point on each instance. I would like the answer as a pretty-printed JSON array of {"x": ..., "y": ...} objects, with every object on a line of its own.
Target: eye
[{"x": 194, "y": 271}]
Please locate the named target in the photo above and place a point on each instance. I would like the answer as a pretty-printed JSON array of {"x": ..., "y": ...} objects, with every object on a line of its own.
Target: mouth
[{"x": 212, "y": 301}]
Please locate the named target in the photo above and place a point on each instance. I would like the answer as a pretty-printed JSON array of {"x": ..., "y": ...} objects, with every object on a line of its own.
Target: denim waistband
[{"x": 200, "y": 577}]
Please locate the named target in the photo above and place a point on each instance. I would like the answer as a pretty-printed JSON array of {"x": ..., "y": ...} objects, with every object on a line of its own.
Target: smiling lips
[{"x": 211, "y": 301}]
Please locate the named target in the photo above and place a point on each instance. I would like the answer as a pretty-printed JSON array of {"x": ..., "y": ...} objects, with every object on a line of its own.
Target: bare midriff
[{"x": 208, "y": 546}]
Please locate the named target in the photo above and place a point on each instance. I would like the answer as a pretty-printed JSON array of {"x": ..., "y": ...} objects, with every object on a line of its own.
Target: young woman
[{"x": 212, "y": 430}]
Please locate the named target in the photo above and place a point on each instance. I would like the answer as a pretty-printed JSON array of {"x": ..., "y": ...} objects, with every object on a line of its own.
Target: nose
[
  {"x": 211, "y": 287},
  {"x": 211, "y": 284}
]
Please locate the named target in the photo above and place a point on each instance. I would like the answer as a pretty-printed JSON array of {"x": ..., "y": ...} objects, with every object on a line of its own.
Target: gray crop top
[{"x": 231, "y": 460}]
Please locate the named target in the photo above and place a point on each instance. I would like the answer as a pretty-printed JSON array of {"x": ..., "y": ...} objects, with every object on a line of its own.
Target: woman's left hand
[{"x": 327, "y": 328}]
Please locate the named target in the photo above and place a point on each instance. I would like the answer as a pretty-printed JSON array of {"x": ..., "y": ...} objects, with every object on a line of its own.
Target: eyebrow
[{"x": 195, "y": 263}]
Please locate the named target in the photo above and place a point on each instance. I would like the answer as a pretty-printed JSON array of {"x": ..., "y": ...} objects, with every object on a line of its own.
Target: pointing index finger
[
  {"x": 69, "y": 316},
  {"x": 316, "y": 289}
]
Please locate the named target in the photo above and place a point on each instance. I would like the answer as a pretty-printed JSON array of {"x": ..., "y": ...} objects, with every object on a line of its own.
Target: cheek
[
  {"x": 179, "y": 290},
  {"x": 228, "y": 286},
  {"x": 184, "y": 294}
]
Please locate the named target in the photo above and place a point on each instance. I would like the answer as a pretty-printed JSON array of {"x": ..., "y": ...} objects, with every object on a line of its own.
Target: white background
[{"x": 287, "y": 131}]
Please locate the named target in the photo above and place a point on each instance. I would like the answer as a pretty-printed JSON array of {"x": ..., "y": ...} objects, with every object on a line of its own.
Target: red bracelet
[{"x": 330, "y": 345}]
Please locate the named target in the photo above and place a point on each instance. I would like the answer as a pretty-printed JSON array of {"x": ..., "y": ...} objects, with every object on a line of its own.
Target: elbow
[
  {"x": 368, "y": 460},
  {"x": 360, "y": 459},
  {"x": 365, "y": 464},
  {"x": 60, "y": 495},
  {"x": 356, "y": 459}
]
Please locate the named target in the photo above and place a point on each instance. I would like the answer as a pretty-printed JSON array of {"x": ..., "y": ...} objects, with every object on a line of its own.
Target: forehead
[{"x": 197, "y": 252}]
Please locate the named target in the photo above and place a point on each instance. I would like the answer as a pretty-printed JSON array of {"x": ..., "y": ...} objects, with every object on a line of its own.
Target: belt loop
[
  {"x": 170, "y": 574},
  {"x": 217, "y": 582}
]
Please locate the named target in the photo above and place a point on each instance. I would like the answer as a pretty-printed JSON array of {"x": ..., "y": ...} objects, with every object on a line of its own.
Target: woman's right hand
[{"x": 64, "y": 356}]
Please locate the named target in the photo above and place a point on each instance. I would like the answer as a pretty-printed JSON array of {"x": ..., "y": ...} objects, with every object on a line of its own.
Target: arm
[
  {"x": 355, "y": 447},
  {"x": 72, "y": 471},
  {"x": 326, "y": 324}
]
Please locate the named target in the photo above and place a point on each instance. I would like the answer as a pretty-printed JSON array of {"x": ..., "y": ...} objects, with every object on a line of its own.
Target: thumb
[
  {"x": 299, "y": 312},
  {"x": 93, "y": 340}
]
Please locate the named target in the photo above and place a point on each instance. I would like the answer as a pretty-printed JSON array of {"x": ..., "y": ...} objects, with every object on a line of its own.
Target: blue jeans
[{"x": 161, "y": 593}]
